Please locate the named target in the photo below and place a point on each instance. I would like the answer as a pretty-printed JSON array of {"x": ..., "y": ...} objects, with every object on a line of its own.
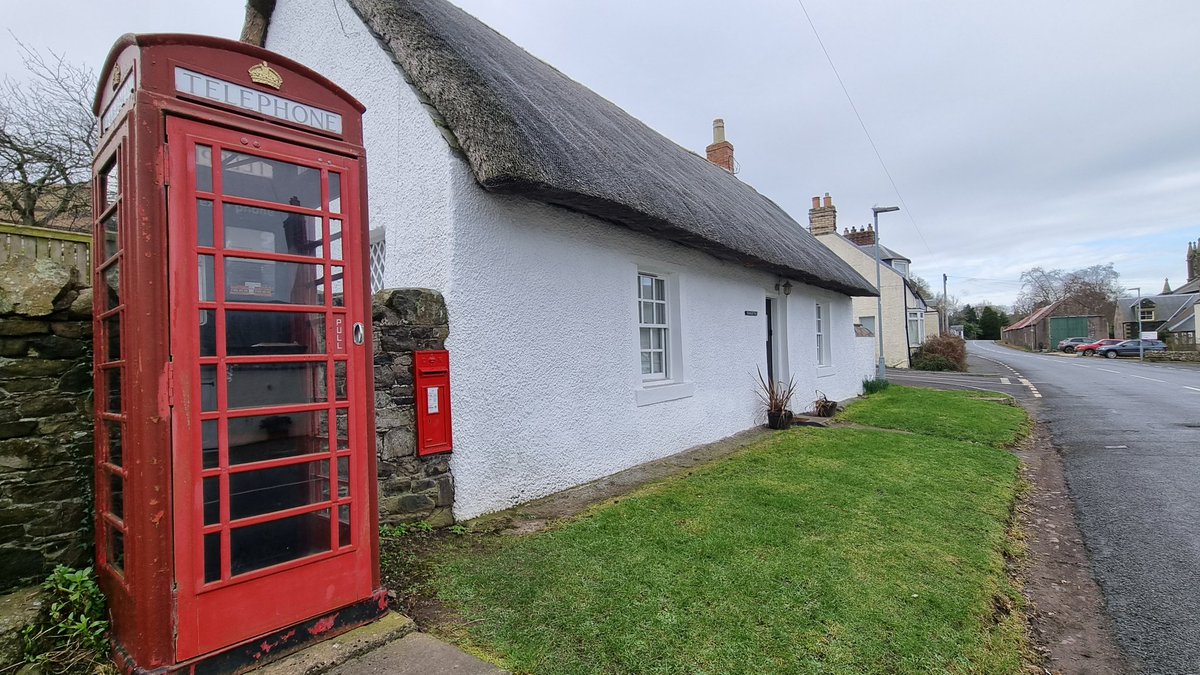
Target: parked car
[
  {"x": 1071, "y": 344},
  {"x": 1090, "y": 349},
  {"x": 1131, "y": 348}
]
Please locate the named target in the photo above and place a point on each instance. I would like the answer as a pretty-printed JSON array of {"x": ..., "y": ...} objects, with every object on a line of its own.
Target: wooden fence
[{"x": 72, "y": 249}]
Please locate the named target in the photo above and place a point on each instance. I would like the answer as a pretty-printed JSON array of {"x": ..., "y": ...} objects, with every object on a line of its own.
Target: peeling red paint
[
  {"x": 266, "y": 647},
  {"x": 323, "y": 625},
  {"x": 380, "y": 597}
]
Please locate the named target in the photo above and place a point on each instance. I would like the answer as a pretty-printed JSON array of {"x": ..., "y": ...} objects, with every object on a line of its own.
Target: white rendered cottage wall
[
  {"x": 848, "y": 364},
  {"x": 408, "y": 161},
  {"x": 545, "y": 345},
  {"x": 542, "y": 302}
]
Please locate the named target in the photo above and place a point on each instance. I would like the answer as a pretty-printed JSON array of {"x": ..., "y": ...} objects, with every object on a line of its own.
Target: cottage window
[
  {"x": 653, "y": 326},
  {"x": 901, "y": 266},
  {"x": 1147, "y": 314},
  {"x": 916, "y": 327},
  {"x": 822, "y": 317}
]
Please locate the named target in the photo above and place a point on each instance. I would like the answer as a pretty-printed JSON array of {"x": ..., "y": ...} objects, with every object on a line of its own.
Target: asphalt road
[{"x": 1130, "y": 439}]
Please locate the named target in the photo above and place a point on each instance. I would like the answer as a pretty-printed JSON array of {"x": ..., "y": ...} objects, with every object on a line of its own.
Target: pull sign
[
  {"x": 359, "y": 334},
  {"x": 339, "y": 335}
]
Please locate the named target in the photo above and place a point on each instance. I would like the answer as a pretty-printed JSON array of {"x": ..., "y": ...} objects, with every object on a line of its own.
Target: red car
[{"x": 1090, "y": 349}]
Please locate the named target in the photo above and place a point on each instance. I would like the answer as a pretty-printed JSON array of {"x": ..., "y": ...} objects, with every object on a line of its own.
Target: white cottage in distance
[{"x": 610, "y": 294}]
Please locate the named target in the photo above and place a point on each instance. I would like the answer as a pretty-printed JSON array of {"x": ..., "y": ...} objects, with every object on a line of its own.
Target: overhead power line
[{"x": 861, "y": 123}]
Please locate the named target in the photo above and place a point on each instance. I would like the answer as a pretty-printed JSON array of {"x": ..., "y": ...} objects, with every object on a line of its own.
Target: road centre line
[
  {"x": 1108, "y": 370},
  {"x": 1192, "y": 388}
]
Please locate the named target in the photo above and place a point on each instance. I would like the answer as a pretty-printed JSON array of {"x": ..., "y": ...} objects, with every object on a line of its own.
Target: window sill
[
  {"x": 661, "y": 392},
  {"x": 826, "y": 371}
]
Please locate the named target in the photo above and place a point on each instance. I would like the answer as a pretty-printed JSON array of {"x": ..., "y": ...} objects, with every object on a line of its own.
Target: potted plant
[
  {"x": 775, "y": 398},
  {"x": 823, "y": 407}
]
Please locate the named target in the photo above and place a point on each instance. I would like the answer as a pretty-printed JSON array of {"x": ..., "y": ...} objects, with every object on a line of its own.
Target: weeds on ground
[
  {"x": 71, "y": 635},
  {"x": 874, "y": 385}
]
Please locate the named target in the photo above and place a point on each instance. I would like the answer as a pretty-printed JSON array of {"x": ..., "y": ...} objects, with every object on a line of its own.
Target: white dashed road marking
[
  {"x": 1192, "y": 388},
  {"x": 1146, "y": 378},
  {"x": 1004, "y": 380},
  {"x": 1109, "y": 370}
]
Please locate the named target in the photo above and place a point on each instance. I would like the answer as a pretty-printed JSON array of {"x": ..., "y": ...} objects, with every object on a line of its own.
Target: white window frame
[
  {"x": 654, "y": 327},
  {"x": 915, "y": 317},
  {"x": 901, "y": 266},
  {"x": 1146, "y": 314},
  {"x": 821, "y": 316},
  {"x": 670, "y": 384}
]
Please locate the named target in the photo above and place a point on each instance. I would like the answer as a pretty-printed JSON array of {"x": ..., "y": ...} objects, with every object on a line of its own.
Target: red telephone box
[{"x": 236, "y": 504}]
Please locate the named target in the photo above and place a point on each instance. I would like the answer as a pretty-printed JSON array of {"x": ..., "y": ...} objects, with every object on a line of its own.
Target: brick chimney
[
  {"x": 863, "y": 237},
  {"x": 822, "y": 217},
  {"x": 721, "y": 150}
]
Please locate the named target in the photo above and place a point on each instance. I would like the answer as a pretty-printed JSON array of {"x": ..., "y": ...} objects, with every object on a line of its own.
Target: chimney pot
[
  {"x": 718, "y": 130},
  {"x": 822, "y": 219},
  {"x": 720, "y": 151}
]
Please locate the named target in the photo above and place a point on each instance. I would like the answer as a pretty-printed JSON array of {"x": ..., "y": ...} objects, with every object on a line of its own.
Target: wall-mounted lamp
[{"x": 787, "y": 288}]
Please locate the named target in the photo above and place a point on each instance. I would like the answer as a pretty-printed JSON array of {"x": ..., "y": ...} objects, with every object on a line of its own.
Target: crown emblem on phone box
[{"x": 264, "y": 74}]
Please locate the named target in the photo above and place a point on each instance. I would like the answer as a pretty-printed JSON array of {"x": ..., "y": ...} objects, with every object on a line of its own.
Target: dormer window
[{"x": 901, "y": 266}]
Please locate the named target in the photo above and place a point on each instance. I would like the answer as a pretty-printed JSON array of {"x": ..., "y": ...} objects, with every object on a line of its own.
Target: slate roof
[
  {"x": 526, "y": 129},
  {"x": 1165, "y": 306},
  {"x": 1192, "y": 286},
  {"x": 885, "y": 253}
]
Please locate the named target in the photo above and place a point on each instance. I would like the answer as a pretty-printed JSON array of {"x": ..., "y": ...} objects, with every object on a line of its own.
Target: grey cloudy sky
[{"x": 1059, "y": 134}]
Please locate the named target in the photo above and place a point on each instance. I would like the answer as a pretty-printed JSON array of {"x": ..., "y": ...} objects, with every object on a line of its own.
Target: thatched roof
[{"x": 526, "y": 129}]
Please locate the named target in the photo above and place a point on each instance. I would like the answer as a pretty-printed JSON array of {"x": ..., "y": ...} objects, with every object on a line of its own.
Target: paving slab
[
  {"x": 327, "y": 655},
  {"x": 417, "y": 654}
]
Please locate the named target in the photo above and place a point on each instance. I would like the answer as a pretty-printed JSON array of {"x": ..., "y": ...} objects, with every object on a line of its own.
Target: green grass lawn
[
  {"x": 959, "y": 415},
  {"x": 818, "y": 550}
]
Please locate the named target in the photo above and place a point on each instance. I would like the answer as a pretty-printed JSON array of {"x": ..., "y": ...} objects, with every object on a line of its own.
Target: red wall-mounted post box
[{"x": 431, "y": 381}]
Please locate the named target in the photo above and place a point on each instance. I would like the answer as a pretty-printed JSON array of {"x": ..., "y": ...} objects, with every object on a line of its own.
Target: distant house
[
  {"x": 1172, "y": 313},
  {"x": 1163, "y": 314},
  {"x": 908, "y": 319},
  {"x": 610, "y": 294}
]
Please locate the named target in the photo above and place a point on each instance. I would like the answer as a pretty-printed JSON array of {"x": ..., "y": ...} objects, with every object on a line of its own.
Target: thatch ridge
[{"x": 527, "y": 129}]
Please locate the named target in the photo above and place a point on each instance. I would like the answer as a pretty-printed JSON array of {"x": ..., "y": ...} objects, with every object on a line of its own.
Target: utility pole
[{"x": 945, "y": 312}]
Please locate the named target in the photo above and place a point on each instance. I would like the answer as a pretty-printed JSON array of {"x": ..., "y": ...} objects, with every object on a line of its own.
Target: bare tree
[
  {"x": 1089, "y": 290},
  {"x": 47, "y": 137}
]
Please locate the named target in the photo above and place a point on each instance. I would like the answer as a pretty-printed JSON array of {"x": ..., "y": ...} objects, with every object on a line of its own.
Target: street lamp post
[
  {"x": 1141, "y": 345},
  {"x": 875, "y": 211}
]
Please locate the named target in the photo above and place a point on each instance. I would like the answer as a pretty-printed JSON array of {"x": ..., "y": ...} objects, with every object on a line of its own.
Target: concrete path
[{"x": 417, "y": 654}]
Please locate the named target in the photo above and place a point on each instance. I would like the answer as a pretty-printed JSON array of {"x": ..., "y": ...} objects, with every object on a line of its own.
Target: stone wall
[
  {"x": 1173, "y": 356},
  {"x": 411, "y": 488},
  {"x": 45, "y": 420}
]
